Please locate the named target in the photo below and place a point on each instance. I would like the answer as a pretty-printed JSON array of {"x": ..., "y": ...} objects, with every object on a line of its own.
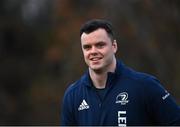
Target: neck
[{"x": 99, "y": 77}]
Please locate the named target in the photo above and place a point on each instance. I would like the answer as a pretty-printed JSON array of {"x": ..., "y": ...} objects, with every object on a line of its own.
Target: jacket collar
[{"x": 111, "y": 75}]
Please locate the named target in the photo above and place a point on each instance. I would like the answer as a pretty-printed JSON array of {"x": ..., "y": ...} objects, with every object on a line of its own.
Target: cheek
[
  {"x": 85, "y": 55},
  {"x": 107, "y": 52}
]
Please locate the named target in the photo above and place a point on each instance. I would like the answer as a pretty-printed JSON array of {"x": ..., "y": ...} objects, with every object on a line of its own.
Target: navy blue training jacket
[{"x": 132, "y": 98}]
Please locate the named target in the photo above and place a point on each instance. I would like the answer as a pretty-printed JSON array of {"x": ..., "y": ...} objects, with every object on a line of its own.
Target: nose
[{"x": 93, "y": 50}]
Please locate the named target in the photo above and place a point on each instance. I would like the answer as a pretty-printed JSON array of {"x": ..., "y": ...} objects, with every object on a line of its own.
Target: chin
[{"x": 96, "y": 68}]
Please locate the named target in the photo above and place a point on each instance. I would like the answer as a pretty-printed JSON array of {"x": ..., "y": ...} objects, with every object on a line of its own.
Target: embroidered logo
[
  {"x": 83, "y": 105},
  {"x": 122, "y": 98},
  {"x": 165, "y": 96}
]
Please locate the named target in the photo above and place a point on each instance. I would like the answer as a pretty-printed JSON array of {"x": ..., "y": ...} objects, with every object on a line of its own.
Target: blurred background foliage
[{"x": 40, "y": 53}]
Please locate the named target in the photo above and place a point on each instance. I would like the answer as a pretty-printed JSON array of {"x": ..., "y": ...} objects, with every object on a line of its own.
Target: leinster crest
[{"x": 122, "y": 98}]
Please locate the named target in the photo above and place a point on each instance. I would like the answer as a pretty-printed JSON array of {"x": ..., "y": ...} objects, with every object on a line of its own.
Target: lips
[{"x": 95, "y": 58}]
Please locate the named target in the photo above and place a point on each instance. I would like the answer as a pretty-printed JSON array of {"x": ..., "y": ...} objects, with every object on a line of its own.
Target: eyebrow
[
  {"x": 96, "y": 44},
  {"x": 100, "y": 42}
]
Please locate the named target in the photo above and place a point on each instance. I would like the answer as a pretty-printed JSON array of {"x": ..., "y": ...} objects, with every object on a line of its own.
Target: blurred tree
[{"x": 21, "y": 51}]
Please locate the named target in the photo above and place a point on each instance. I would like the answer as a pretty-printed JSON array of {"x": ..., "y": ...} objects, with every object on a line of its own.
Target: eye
[
  {"x": 100, "y": 45},
  {"x": 86, "y": 47}
]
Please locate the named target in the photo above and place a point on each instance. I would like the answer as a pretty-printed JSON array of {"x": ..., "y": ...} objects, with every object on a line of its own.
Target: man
[{"x": 110, "y": 93}]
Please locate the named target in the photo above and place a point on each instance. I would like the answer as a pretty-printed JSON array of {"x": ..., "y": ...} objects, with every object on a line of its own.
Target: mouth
[{"x": 95, "y": 59}]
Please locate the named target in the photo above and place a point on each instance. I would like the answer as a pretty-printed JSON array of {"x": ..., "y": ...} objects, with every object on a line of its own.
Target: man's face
[{"x": 98, "y": 49}]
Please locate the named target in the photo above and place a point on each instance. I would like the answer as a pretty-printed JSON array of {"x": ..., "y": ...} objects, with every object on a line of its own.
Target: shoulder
[
  {"x": 145, "y": 80},
  {"x": 151, "y": 89},
  {"x": 75, "y": 87},
  {"x": 132, "y": 74}
]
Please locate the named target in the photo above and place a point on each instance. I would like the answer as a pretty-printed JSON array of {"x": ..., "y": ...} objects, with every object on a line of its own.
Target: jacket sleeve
[
  {"x": 67, "y": 113},
  {"x": 161, "y": 105}
]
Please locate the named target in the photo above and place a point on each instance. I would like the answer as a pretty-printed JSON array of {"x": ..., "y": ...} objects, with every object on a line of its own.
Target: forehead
[{"x": 95, "y": 36}]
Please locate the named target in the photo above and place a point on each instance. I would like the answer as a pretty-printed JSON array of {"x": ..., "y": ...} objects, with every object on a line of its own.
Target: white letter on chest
[{"x": 122, "y": 118}]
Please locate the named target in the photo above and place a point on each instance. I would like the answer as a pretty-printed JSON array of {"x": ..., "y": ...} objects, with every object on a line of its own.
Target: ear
[{"x": 114, "y": 45}]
